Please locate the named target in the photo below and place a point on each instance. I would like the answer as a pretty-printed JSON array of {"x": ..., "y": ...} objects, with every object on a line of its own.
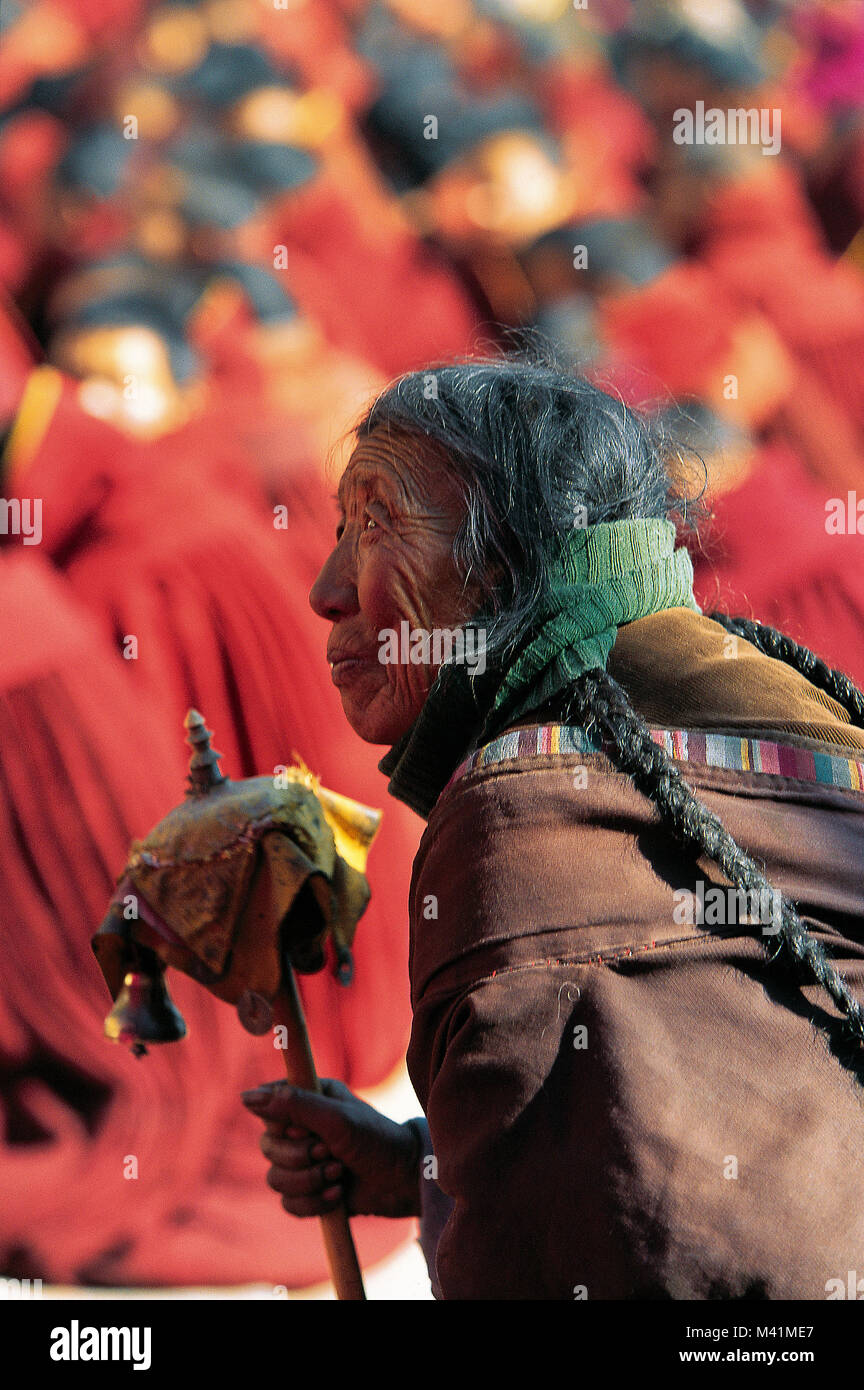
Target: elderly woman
[{"x": 638, "y": 1058}]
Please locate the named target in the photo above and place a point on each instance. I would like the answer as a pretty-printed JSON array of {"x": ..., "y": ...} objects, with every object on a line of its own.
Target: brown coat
[{"x": 698, "y": 1139}]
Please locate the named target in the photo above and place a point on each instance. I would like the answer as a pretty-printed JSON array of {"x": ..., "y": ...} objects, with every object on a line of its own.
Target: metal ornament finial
[{"x": 204, "y": 771}]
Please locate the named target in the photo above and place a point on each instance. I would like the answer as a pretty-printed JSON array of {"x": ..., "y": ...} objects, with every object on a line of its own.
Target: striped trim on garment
[{"x": 711, "y": 750}]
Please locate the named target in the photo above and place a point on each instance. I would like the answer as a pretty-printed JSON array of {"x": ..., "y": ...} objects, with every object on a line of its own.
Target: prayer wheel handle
[{"x": 300, "y": 1067}]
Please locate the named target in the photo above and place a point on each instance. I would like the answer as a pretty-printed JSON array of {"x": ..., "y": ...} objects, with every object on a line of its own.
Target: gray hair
[{"x": 535, "y": 450}]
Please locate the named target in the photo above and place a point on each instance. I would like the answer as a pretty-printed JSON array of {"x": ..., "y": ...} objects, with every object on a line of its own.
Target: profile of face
[{"x": 392, "y": 563}]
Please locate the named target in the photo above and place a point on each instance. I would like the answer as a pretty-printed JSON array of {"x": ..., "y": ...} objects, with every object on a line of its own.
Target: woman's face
[{"x": 392, "y": 563}]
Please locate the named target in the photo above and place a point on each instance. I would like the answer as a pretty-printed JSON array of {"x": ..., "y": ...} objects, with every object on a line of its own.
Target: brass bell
[{"x": 143, "y": 1012}]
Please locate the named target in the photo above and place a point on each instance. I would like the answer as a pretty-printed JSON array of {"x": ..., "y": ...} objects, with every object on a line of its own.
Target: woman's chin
[{"x": 384, "y": 726}]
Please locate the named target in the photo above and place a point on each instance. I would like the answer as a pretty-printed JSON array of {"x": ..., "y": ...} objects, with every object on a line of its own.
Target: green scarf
[{"x": 604, "y": 576}]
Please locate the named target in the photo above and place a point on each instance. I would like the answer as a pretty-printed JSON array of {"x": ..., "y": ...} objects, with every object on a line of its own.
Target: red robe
[
  {"x": 92, "y": 754},
  {"x": 779, "y": 511}
]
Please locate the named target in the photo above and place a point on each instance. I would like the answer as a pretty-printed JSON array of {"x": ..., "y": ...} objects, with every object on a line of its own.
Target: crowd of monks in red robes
[{"x": 223, "y": 225}]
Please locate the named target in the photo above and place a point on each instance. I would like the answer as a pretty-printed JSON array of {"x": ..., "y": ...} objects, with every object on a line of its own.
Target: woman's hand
[{"x": 324, "y": 1148}]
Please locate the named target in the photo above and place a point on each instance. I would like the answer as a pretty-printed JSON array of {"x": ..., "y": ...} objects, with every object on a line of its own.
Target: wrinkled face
[{"x": 392, "y": 563}]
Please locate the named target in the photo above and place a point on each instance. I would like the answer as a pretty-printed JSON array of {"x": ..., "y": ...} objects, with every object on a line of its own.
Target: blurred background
[{"x": 224, "y": 224}]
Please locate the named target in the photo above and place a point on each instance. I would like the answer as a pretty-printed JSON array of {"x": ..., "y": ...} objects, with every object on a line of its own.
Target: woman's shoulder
[
  {"x": 710, "y": 700},
  {"x": 683, "y": 670}
]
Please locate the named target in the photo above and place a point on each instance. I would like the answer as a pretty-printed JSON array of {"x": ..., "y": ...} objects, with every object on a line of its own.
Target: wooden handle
[{"x": 300, "y": 1066}]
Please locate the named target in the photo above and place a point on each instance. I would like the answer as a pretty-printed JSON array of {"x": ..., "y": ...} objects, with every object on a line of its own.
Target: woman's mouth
[{"x": 344, "y": 669}]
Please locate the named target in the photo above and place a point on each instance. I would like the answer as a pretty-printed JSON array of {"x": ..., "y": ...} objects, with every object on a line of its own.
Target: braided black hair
[{"x": 597, "y": 699}]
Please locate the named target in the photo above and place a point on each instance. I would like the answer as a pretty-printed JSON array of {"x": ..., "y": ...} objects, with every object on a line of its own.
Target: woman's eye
[{"x": 374, "y": 516}]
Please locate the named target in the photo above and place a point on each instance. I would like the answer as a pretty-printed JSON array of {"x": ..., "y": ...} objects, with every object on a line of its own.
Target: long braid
[
  {"x": 598, "y": 699},
  {"x": 773, "y": 643}
]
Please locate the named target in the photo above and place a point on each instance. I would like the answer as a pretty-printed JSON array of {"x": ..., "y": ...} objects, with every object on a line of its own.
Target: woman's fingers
[
  {"x": 313, "y": 1206},
  {"x": 293, "y": 1153},
  {"x": 309, "y": 1134},
  {"x": 330, "y": 1146},
  {"x": 305, "y": 1182},
  {"x": 289, "y": 1110},
  {"x": 303, "y": 1171},
  {"x": 280, "y": 1131},
  {"x": 305, "y": 1190}
]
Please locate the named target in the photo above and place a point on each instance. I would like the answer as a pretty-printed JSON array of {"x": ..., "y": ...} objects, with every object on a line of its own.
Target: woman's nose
[{"x": 334, "y": 593}]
